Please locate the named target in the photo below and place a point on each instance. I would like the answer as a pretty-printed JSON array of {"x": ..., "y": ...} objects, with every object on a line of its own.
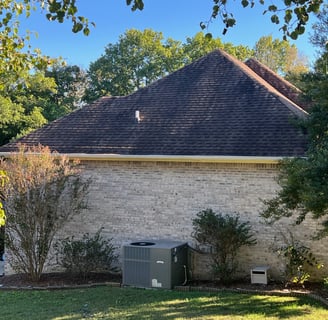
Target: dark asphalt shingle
[{"x": 216, "y": 106}]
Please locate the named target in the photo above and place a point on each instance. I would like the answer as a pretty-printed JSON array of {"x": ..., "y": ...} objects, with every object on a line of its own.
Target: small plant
[
  {"x": 299, "y": 260},
  {"x": 325, "y": 283},
  {"x": 90, "y": 254},
  {"x": 225, "y": 235}
]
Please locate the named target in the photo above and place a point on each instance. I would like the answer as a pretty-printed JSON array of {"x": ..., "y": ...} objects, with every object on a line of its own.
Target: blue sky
[{"x": 177, "y": 19}]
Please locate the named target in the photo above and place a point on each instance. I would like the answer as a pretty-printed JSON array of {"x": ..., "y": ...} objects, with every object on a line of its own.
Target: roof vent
[{"x": 137, "y": 115}]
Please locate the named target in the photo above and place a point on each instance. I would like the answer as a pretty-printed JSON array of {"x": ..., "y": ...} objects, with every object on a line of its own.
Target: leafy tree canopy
[
  {"x": 22, "y": 103},
  {"x": 319, "y": 37},
  {"x": 137, "y": 59},
  {"x": 304, "y": 181},
  {"x": 292, "y": 15},
  {"x": 279, "y": 55},
  {"x": 15, "y": 52},
  {"x": 141, "y": 57},
  {"x": 71, "y": 82},
  {"x": 36, "y": 98}
]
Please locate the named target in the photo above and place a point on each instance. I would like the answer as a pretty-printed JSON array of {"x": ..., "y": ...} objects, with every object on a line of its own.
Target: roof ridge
[
  {"x": 294, "y": 107},
  {"x": 276, "y": 75},
  {"x": 279, "y": 83}
]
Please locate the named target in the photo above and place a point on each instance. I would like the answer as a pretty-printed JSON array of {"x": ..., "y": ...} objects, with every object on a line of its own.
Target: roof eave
[{"x": 167, "y": 158}]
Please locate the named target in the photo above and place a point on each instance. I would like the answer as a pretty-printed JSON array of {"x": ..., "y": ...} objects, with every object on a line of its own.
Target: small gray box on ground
[{"x": 260, "y": 274}]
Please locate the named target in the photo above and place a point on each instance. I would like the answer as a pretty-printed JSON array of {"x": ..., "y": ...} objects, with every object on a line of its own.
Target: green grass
[{"x": 127, "y": 303}]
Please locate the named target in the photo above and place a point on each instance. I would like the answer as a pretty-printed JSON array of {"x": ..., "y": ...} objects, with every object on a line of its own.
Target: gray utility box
[
  {"x": 260, "y": 274},
  {"x": 155, "y": 263}
]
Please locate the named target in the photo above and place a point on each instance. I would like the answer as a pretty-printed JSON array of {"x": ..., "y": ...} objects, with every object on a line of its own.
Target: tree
[
  {"x": 199, "y": 45},
  {"x": 71, "y": 83},
  {"x": 33, "y": 99},
  {"x": 137, "y": 59},
  {"x": 43, "y": 191},
  {"x": 295, "y": 14},
  {"x": 15, "y": 52},
  {"x": 304, "y": 180},
  {"x": 319, "y": 38},
  {"x": 279, "y": 56},
  {"x": 23, "y": 102}
]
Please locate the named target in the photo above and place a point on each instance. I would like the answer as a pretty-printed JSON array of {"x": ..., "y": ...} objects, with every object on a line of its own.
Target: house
[{"x": 209, "y": 135}]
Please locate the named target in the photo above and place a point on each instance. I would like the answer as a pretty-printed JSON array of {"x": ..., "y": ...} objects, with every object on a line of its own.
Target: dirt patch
[{"x": 58, "y": 279}]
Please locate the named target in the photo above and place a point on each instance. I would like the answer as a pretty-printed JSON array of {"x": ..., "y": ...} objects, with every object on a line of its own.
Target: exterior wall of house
[{"x": 157, "y": 200}]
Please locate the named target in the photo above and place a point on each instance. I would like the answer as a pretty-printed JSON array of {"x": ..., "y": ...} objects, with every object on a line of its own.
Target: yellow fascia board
[
  {"x": 169, "y": 158},
  {"x": 161, "y": 158}
]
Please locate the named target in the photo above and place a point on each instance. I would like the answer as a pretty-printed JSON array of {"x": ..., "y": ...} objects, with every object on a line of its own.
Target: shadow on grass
[{"x": 128, "y": 303}]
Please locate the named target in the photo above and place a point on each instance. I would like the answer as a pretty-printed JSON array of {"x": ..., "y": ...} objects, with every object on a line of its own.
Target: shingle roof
[
  {"x": 279, "y": 83},
  {"x": 216, "y": 106}
]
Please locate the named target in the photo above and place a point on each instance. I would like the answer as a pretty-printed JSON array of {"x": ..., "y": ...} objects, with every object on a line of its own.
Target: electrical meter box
[{"x": 155, "y": 263}]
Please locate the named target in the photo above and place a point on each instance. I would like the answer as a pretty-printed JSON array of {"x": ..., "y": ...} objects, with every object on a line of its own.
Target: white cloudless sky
[{"x": 177, "y": 19}]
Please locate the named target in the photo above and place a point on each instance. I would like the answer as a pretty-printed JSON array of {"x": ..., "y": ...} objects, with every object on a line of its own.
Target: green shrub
[
  {"x": 299, "y": 260},
  {"x": 225, "y": 235},
  {"x": 90, "y": 254},
  {"x": 325, "y": 283}
]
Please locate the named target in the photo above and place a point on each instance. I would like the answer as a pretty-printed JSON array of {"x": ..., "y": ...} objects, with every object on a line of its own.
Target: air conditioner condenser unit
[{"x": 155, "y": 263}]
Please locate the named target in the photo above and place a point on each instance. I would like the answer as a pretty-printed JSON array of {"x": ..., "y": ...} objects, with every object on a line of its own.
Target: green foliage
[
  {"x": 71, "y": 83},
  {"x": 22, "y": 103},
  {"x": 3, "y": 180},
  {"x": 42, "y": 192},
  {"x": 32, "y": 100},
  {"x": 319, "y": 38},
  {"x": 296, "y": 14},
  {"x": 321, "y": 64},
  {"x": 225, "y": 235},
  {"x": 90, "y": 254},
  {"x": 16, "y": 53},
  {"x": 141, "y": 57},
  {"x": 298, "y": 260},
  {"x": 61, "y": 10},
  {"x": 304, "y": 181},
  {"x": 2, "y": 215},
  {"x": 200, "y": 45},
  {"x": 137, "y": 59},
  {"x": 279, "y": 56},
  {"x": 304, "y": 190},
  {"x": 325, "y": 283}
]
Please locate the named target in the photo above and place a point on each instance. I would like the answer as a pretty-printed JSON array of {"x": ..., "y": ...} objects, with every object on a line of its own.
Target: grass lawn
[{"x": 127, "y": 303}]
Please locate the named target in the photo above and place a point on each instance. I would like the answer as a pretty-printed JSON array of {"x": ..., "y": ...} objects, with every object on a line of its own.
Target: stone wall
[{"x": 158, "y": 200}]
